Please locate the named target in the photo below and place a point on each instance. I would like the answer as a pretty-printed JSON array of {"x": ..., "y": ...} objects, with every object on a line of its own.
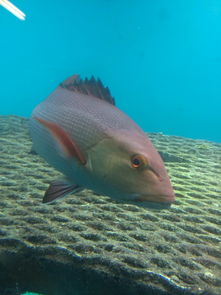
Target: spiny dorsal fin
[{"x": 88, "y": 86}]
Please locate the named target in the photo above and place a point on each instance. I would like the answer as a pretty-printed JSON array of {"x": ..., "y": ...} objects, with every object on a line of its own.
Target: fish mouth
[
  {"x": 156, "y": 201},
  {"x": 156, "y": 198}
]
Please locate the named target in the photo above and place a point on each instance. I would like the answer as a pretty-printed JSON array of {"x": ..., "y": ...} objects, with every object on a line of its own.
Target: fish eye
[{"x": 138, "y": 161}]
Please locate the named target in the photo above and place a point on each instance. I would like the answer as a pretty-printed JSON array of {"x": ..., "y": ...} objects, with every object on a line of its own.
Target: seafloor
[{"x": 90, "y": 244}]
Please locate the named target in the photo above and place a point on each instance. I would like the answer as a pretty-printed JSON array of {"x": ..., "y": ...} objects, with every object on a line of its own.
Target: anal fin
[{"x": 59, "y": 189}]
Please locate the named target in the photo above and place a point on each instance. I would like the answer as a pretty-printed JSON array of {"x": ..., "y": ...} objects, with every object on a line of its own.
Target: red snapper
[{"x": 81, "y": 133}]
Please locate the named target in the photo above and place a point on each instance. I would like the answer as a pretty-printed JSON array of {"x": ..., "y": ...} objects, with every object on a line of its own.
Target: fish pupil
[{"x": 136, "y": 162}]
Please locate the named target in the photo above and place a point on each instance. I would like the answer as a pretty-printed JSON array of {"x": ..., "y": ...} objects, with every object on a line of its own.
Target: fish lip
[
  {"x": 154, "y": 198},
  {"x": 153, "y": 204}
]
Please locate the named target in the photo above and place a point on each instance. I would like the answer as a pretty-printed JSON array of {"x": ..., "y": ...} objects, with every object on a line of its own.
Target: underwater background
[
  {"x": 162, "y": 62},
  {"x": 160, "y": 59}
]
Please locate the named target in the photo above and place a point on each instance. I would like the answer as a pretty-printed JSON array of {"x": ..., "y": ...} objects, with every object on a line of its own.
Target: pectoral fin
[
  {"x": 69, "y": 147},
  {"x": 58, "y": 189}
]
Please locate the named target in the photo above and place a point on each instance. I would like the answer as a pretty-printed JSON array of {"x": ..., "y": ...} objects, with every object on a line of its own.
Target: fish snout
[{"x": 160, "y": 190}]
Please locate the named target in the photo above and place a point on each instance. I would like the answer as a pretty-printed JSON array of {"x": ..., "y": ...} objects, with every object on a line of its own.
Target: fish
[{"x": 79, "y": 130}]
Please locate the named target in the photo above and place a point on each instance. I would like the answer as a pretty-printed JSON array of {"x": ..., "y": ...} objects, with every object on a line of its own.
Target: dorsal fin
[{"x": 87, "y": 86}]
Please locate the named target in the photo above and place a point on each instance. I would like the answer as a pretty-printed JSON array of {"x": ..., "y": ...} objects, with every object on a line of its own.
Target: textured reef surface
[{"x": 91, "y": 244}]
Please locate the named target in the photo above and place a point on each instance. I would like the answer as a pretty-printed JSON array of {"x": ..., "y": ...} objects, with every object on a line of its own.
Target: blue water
[{"x": 161, "y": 59}]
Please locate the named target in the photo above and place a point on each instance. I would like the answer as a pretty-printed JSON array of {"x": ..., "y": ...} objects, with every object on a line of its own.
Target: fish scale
[
  {"x": 72, "y": 111},
  {"x": 80, "y": 132}
]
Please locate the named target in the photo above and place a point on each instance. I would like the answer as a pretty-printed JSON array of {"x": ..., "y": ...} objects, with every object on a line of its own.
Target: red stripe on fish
[{"x": 69, "y": 146}]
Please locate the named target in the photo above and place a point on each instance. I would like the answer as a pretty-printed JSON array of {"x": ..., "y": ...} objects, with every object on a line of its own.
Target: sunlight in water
[{"x": 13, "y": 9}]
